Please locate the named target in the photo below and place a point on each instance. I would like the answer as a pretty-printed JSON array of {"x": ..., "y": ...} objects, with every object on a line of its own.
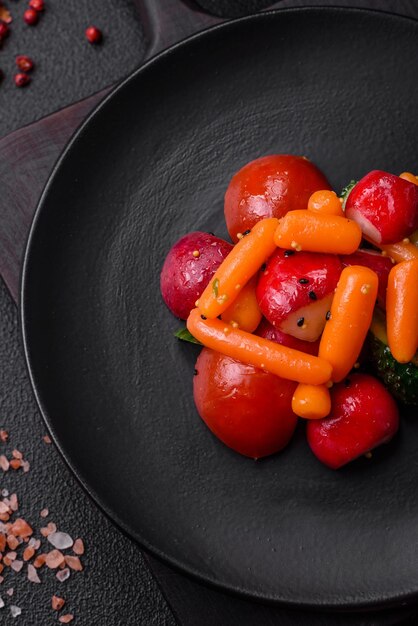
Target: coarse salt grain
[
  {"x": 33, "y": 574},
  {"x": 4, "y": 435},
  {"x": 4, "y": 463},
  {"x": 34, "y": 543},
  {"x": 15, "y": 610},
  {"x": 47, "y": 439},
  {"x": 78, "y": 547},
  {"x": 4, "y": 508},
  {"x": 74, "y": 563},
  {"x": 17, "y": 454},
  {"x": 13, "y": 502},
  {"x": 10, "y": 591},
  {"x": 44, "y": 513},
  {"x": 17, "y": 565},
  {"x": 66, "y": 619},
  {"x": 57, "y": 603},
  {"x": 54, "y": 559},
  {"x": 63, "y": 574},
  {"x": 48, "y": 530},
  {"x": 25, "y": 466},
  {"x": 60, "y": 540},
  {"x": 4, "y": 493},
  {"x": 1, "y": 602}
]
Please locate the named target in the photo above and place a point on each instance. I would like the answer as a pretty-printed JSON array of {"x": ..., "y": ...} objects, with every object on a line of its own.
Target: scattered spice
[
  {"x": 300, "y": 322},
  {"x": 303, "y": 281},
  {"x": 93, "y": 35},
  {"x": 21, "y": 79},
  {"x": 24, "y": 63},
  {"x": 328, "y": 315},
  {"x": 312, "y": 295},
  {"x": 196, "y": 254},
  {"x": 289, "y": 253},
  {"x": 38, "y": 5},
  {"x": 31, "y": 17}
]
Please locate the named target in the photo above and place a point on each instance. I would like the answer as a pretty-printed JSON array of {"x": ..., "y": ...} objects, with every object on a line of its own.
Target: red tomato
[
  {"x": 248, "y": 409},
  {"x": 270, "y": 187}
]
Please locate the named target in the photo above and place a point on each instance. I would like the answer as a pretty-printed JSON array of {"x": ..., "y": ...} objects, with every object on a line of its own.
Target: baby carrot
[
  {"x": 325, "y": 202},
  {"x": 263, "y": 353},
  {"x": 410, "y": 177},
  {"x": 350, "y": 318},
  {"x": 244, "y": 260},
  {"x": 402, "y": 310},
  {"x": 316, "y": 232},
  {"x": 401, "y": 251},
  {"x": 244, "y": 312},
  {"x": 311, "y": 401}
]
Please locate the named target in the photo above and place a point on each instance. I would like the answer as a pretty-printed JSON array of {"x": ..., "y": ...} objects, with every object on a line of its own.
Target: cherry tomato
[
  {"x": 270, "y": 187},
  {"x": 248, "y": 409}
]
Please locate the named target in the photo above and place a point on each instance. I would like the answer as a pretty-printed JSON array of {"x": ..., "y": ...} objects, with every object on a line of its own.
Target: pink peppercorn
[
  {"x": 93, "y": 34},
  {"x": 31, "y": 17},
  {"x": 21, "y": 80},
  {"x": 38, "y": 5},
  {"x": 24, "y": 63}
]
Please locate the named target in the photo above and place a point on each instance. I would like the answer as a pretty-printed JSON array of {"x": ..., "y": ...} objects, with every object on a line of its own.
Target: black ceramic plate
[{"x": 115, "y": 387}]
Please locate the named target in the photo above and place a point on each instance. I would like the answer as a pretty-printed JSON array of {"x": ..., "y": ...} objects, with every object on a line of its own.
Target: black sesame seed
[
  {"x": 213, "y": 234},
  {"x": 263, "y": 267},
  {"x": 246, "y": 232},
  {"x": 203, "y": 317},
  {"x": 347, "y": 382},
  {"x": 195, "y": 373},
  {"x": 300, "y": 321},
  {"x": 289, "y": 252},
  {"x": 312, "y": 295},
  {"x": 328, "y": 315},
  {"x": 303, "y": 281},
  {"x": 220, "y": 317}
]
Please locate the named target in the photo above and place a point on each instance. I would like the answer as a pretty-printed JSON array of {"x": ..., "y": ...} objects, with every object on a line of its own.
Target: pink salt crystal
[
  {"x": 1, "y": 579},
  {"x": 48, "y": 530},
  {"x": 17, "y": 454},
  {"x": 1, "y": 602},
  {"x": 44, "y": 513},
  {"x": 47, "y": 439},
  {"x": 4, "y": 435},
  {"x": 60, "y": 540},
  {"x": 66, "y": 619},
  {"x": 78, "y": 547},
  {"x": 17, "y": 565},
  {"x": 63, "y": 574},
  {"x": 54, "y": 559},
  {"x": 25, "y": 466},
  {"x": 11, "y": 555},
  {"x": 4, "y": 508},
  {"x": 10, "y": 591},
  {"x": 4, "y": 493},
  {"x": 4, "y": 463},
  {"x": 13, "y": 503},
  {"x": 74, "y": 562},
  {"x": 34, "y": 543},
  {"x": 15, "y": 610},
  {"x": 33, "y": 574}
]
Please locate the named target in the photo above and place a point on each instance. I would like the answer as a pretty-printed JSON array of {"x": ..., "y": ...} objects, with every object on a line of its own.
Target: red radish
[
  {"x": 363, "y": 416},
  {"x": 296, "y": 289},
  {"x": 188, "y": 268},
  {"x": 248, "y": 409},
  {"x": 376, "y": 262},
  {"x": 385, "y": 207},
  {"x": 268, "y": 331}
]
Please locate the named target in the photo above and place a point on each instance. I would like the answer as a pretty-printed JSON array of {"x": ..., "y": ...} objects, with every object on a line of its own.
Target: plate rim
[{"x": 330, "y": 605}]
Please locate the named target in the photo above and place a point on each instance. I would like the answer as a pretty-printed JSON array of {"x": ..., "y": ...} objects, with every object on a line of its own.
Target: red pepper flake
[
  {"x": 4, "y": 435},
  {"x": 93, "y": 35},
  {"x": 57, "y": 603},
  {"x": 20, "y": 528},
  {"x": 74, "y": 563},
  {"x": 66, "y": 619},
  {"x": 38, "y": 5},
  {"x": 47, "y": 439},
  {"x": 78, "y": 547},
  {"x": 31, "y": 17},
  {"x": 54, "y": 559}
]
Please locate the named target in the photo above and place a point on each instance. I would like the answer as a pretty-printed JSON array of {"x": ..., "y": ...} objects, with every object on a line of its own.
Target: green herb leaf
[
  {"x": 185, "y": 335},
  {"x": 215, "y": 287},
  {"x": 346, "y": 192}
]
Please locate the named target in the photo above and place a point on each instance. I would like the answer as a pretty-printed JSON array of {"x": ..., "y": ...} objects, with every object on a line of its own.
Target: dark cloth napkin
[{"x": 27, "y": 157}]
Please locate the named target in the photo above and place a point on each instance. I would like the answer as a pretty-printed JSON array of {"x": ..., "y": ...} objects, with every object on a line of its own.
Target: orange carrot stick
[
  {"x": 325, "y": 202},
  {"x": 244, "y": 312},
  {"x": 350, "y": 319},
  {"x": 316, "y": 232},
  {"x": 402, "y": 310},
  {"x": 311, "y": 401},
  {"x": 263, "y": 353},
  {"x": 244, "y": 260},
  {"x": 409, "y": 177}
]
